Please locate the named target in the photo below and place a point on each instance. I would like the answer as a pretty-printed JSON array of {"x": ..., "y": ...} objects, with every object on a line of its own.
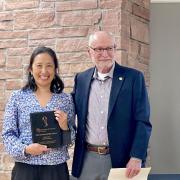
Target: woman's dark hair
[{"x": 57, "y": 84}]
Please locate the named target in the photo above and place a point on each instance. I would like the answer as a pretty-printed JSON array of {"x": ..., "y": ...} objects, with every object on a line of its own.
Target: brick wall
[{"x": 64, "y": 25}]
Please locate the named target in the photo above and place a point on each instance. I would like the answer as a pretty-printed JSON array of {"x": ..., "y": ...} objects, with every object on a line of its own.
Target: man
[{"x": 112, "y": 109}]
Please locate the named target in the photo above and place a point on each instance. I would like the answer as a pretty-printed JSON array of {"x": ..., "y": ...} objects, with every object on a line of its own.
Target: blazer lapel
[
  {"x": 85, "y": 96},
  {"x": 117, "y": 82}
]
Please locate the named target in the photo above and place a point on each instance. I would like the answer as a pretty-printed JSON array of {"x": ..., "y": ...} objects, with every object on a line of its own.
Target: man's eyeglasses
[{"x": 101, "y": 50}]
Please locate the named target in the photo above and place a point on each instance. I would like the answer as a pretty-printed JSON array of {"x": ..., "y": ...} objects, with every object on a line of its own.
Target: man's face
[{"x": 102, "y": 51}]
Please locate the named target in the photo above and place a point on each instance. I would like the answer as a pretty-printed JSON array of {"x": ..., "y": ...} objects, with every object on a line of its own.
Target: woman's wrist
[
  {"x": 66, "y": 129},
  {"x": 25, "y": 151}
]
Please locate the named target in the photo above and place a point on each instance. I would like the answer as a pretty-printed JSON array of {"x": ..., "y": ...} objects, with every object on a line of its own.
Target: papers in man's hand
[{"x": 119, "y": 174}]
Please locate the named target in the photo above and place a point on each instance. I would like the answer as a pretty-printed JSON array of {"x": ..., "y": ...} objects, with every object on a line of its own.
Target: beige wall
[
  {"x": 164, "y": 87},
  {"x": 64, "y": 26}
]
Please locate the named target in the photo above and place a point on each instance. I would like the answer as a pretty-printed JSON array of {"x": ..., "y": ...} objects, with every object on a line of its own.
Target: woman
[{"x": 43, "y": 92}]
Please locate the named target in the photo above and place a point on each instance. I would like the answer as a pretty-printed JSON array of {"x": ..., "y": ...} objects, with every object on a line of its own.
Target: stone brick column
[
  {"x": 64, "y": 26},
  {"x": 135, "y": 35}
]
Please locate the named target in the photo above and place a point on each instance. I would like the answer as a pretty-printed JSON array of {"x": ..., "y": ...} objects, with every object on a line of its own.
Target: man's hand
[{"x": 133, "y": 167}]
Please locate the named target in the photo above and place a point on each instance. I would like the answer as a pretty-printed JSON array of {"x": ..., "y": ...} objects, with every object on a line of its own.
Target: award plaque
[{"x": 45, "y": 129}]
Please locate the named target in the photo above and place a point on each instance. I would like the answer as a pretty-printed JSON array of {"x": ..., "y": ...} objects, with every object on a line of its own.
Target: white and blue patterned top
[{"x": 17, "y": 133}]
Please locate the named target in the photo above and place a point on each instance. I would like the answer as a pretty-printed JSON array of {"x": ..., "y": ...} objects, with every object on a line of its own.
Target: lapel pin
[{"x": 120, "y": 78}]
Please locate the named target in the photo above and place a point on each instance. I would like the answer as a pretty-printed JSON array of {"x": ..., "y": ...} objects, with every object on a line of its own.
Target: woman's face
[{"x": 43, "y": 70}]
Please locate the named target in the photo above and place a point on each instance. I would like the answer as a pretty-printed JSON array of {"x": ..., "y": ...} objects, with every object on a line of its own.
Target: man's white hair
[{"x": 92, "y": 37}]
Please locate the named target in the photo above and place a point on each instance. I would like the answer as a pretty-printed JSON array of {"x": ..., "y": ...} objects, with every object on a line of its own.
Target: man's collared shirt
[{"x": 96, "y": 125}]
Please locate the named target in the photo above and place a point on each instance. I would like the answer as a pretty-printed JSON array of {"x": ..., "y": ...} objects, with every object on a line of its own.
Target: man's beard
[{"x": 104, "y": 66}]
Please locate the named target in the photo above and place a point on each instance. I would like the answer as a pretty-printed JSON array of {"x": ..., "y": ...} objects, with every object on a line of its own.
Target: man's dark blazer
[{"x": 128, "y": 126}]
